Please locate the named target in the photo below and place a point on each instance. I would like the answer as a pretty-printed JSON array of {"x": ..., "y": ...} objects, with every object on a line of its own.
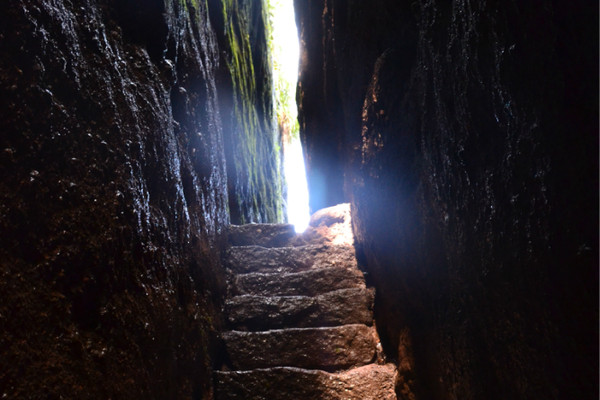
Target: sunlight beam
[{"x": 285, "y": 51}]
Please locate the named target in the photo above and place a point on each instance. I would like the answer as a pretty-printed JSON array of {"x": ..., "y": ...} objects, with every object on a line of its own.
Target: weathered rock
[
  {"x": 114, "y": 179},
  {"x": 308, "y": 283},
  {"x": 329, "y": 349},
  {"x": 340, "y": 307},
  {"x": 244, "y": 259},
  {"x": 330, "y": 225},
  {"x": 370, "y": 382},
  {"x": 318, "y": 296},
  {"x": 331, "y": 216},
  {"x": 265, "y": 235},
  {"x": 468, "y": 149},
  {"x": 246, "y": 100}
]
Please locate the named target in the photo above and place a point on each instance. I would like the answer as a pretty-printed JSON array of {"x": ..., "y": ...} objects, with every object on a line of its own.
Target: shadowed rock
[
  {"x": 316, "y": 348},
  {"x": 308, "y": 283},
  {"x": 244, "y": 259},
  {"x": 340, "y": 307},
  {"x": 370, "y": 382}
]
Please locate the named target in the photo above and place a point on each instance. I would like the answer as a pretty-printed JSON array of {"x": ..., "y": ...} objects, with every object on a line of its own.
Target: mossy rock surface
[{"x": 252, "y": 142}]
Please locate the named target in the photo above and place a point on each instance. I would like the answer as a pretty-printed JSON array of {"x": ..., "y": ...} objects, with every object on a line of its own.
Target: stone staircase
[{"x": 301, "y": 320}]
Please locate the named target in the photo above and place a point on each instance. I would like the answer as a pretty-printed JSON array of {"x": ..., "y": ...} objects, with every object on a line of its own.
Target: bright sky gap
[{"x": 285, "y": 50}]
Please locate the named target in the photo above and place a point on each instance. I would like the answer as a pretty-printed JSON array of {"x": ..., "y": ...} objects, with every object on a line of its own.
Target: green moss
[
  {"x": 285, "y": 91},
  {"x": 185, "y": 4},
  {"x": 254, "y": 134}
]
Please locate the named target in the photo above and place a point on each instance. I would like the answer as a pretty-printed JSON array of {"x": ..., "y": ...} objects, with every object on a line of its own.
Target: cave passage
[
  {"x": 285, "y": 51},
  {"x": 143, "y": 252}
]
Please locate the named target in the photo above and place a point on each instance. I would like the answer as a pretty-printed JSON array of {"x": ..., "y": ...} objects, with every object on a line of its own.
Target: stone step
[
  {"x": 370, "y": 382},
  {"x": 340, "y": 307},
  {"x": 265, "y": 235},
  {"x": 305, "y": 283},
  {"x": 328, "y": 349},
  {"x": 245, "y": 259}
]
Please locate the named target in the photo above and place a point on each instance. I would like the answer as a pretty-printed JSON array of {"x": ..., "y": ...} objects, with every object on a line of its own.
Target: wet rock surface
[
  {"x": 114, "y": 195},
  {"x": 307, "y": 312},
  {"x": 465, "y": 134},
  {"x": 252, "y": 143}
]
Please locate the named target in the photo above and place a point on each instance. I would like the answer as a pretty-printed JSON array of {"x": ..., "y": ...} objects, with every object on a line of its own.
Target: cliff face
[
  {"x": 252, "y": 145},
  {"x": 465, "y": 136},
  {"x": 114, "y": 189}
]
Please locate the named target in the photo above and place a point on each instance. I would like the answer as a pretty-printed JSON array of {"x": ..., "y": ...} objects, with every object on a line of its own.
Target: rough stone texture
[
  {"x": 340, "y": 307},
  {"x": 307, "y": 283},
  {"x": 467, "y": 133},
  {"x": 370, "y": 382},
  {"x": 245, "y": 259},
  {"x": 265, "y": 235},
  {"x": 250, "y": 135},
  {"x": 329, "y": 349},
  {"x": 113, "y": 197},
  {"x": 331, "y": 225},
  {"x": 325, "y": 318}
]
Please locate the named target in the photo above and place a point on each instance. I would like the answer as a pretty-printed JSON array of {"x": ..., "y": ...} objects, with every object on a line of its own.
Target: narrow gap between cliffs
[{"x": 284, "y": 46}]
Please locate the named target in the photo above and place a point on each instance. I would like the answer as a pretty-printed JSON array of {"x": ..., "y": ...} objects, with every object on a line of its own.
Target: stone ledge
[
  {"x": 307, "y": 283},
  {"x": 245, "y": 259},
  {"x": 265, "y": 235},
  {"x": 369, "y": 382},
  {"x": 339, "y": 307},
  {"x": 330, "y": 349}
]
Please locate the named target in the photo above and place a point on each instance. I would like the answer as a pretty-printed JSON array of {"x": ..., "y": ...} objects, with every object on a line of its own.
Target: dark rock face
[
  {"x": 468, "y": 136},
  {"x": 254, "y": 163},
  {"x": 114, "y": 194}
]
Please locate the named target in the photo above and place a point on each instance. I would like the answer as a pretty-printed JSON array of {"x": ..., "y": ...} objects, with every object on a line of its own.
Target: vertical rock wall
[
  {"x": 252, "y": 142},
  {"x": 467, "y": 133},
  {"x": 114, "y": 192}
]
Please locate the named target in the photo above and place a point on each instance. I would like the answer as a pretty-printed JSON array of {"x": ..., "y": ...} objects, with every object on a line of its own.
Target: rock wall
[
  {"x": 116, "y": 160},
  {"x": 253, "y": 146},
  {"x": 465, "y": 135}
]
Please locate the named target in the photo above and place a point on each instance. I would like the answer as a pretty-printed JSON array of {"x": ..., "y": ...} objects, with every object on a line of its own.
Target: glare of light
[
  {"x": 297, "y": 197},
  {"x": 286, "y": 54}
]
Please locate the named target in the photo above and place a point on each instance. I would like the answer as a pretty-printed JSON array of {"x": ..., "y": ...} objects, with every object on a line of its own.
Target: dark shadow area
[{"x": 467, "y": 137}]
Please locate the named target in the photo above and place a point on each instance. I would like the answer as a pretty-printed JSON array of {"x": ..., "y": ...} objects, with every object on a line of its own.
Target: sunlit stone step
[
  {"x": 370, "y": 382},
  {"x": 340, "y": 307},
  {"x": 329, "y": 349},
  {"x": 245, "y": 259},
  {"x": 265, "y": 235},
  {"x": 305, "y": 283}
]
